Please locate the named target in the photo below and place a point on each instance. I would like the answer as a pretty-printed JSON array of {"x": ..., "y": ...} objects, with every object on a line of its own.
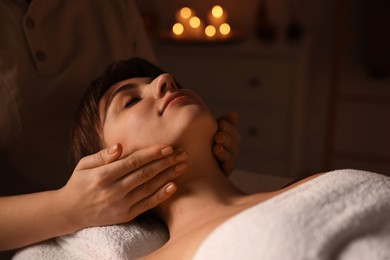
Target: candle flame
[
  {"x": 224, "y": 29},
  {"x": 210, "y": 31},
  {"x": 194, "y": 22},
  {"x": 217, "y": 11},
  {"x": 185, "y": 12},
  {"x": 178, "y": 29}
]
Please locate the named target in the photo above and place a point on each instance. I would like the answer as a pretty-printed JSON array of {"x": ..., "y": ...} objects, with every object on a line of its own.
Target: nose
[{"x": 164, "y": 83}]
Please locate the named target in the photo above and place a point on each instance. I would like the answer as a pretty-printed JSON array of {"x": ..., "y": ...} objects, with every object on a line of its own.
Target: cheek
[
  {"x": 132, "y": 133},
  {"x": 119, "y": 131}
]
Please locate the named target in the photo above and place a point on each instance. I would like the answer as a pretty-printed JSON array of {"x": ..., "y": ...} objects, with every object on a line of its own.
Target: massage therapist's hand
[
  {"x": 107, "y": 190},
  {"x": 227, "y": 142}
]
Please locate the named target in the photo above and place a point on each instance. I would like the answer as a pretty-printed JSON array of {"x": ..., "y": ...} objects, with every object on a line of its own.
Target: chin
[{"x": 196, "y": 127}]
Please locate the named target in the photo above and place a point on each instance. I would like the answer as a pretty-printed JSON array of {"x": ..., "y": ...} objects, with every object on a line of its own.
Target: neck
[{"x": 203, "y": 191}]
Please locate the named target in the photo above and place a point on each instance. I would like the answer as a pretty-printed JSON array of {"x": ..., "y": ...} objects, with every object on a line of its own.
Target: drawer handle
[
  {"x": 254, "y": 82},
  {"x": 253, "y": 131}
]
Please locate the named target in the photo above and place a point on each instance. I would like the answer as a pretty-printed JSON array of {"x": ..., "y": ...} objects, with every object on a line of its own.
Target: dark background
[{"x": 347, "y": 105}]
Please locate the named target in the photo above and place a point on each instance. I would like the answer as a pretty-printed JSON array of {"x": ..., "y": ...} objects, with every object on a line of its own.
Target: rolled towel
[{"x": 126, "y": 241}]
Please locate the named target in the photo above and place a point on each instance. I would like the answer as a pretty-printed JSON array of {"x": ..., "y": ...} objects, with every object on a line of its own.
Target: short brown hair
[{"x": 86, "y": 132}]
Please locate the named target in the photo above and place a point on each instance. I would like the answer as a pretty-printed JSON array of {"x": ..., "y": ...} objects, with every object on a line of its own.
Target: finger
[
  {"x": 231, "y": 117},
  {"x": 100, "y": 158},
  {"x": 166, "y": 169},
  {"x": 226, "y": 159},
  {"x": 221, "y": 153},
  {"x": 134, "y": 161},
  {"x": 152, "y": 201},
  {"x": 228, "y": 167},
  {"x": 224, "y": 139},
  {"x": 229, "y": 137},
  {"x": 225, "y": 126},
  {"x": 140, "y": 166},
  {"x": 150, "y": 187},
  {"x": 231, "y": 142}
]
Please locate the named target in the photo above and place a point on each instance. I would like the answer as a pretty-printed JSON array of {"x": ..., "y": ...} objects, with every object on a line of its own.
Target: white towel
[
  {"x": 127, "y": 241},
  {"x": 343, "y": 214}
]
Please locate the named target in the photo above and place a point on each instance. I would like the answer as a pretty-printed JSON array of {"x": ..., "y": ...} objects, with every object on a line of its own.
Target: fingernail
[
  {"x": 167, "y": 150},
  {"x": 113, "y": 149},
  {"x": 171, "y": 188},
  {"x": 180, "y": 167},
  {"x": 182, "y": 155}
]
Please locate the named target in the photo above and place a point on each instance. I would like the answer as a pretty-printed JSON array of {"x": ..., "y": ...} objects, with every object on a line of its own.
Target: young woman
[
  {"x": 136, "y": 105},
  {"x": 41, "y": 80}
]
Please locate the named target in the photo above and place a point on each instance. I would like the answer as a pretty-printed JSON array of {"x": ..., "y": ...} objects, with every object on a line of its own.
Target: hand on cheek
[{"x": 105, "y": 189}]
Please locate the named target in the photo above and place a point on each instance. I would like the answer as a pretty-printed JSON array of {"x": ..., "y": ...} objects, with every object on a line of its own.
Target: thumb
[{"x": 101, "y": 158}]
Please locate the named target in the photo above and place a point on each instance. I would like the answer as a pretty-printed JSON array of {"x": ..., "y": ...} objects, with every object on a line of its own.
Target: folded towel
[
  {"x": 127, "y": 241},
  {"x": 343, "y": 214}
]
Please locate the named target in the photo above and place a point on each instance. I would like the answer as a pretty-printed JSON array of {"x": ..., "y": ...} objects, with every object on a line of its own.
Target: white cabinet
[{"x": 265, "y": 85}]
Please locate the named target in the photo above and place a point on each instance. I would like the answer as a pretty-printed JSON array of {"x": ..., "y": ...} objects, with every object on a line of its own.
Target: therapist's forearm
[{"x": 31, "y": 218}]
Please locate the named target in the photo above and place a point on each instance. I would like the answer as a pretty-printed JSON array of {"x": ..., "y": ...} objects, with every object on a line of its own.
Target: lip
[{"x": 171, "y": 98}]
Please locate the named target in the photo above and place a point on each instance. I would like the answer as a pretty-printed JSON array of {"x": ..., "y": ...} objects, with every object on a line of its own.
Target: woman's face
[{"x": 139, "y": 112}]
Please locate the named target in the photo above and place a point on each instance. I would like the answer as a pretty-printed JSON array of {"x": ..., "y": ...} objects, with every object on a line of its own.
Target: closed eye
[{"x": 132, "y": 101}]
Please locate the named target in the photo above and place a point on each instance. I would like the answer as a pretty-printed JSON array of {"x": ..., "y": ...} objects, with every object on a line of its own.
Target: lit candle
[
  {"x": 224, "y": 29},
  {"x": 217, "y": 16},
  {"x": 178, "y": 30},
  {"x": 210, "y": 31},
  {"x": 183, "y": 17},
  {"x": 184, "y": 14},
  {"x": 197, "y": 27}
]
